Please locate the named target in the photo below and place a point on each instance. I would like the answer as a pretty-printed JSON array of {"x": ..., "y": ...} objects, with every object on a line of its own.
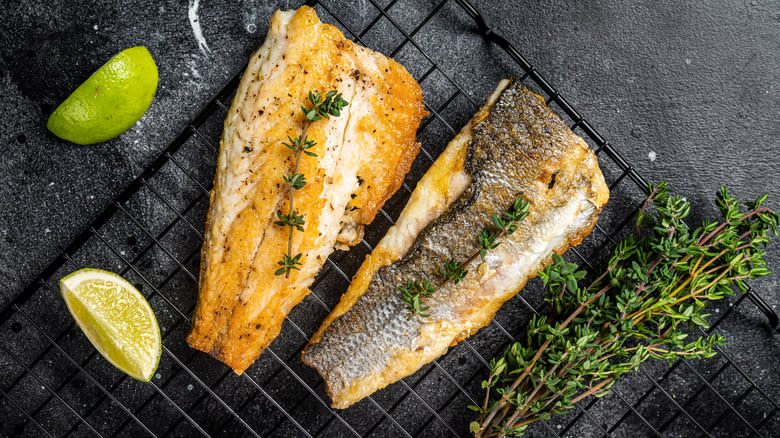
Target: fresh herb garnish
[
  {"x": 453, "y": 270},
  {"x": 487, "y": 241},
  {"x": 322, "y": 107},
  {"x": 656, "y": 283},
  {"x": 413, "y": 292}
]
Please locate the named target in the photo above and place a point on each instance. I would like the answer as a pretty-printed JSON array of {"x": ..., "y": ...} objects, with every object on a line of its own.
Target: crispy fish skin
[
  {"x": 515, "y": 145},
  {"x": 362, "y": 158}
]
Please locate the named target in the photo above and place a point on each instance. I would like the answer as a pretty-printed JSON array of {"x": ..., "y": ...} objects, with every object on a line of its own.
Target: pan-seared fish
[
  {"x": 514, "y": 146},
  {"x": 362, "y": 158}
]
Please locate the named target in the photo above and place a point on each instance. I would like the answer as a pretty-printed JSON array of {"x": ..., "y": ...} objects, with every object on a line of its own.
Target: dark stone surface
[{"x": 692, "y": 84}]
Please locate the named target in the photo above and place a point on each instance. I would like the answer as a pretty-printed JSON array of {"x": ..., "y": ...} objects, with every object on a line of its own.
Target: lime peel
[{"x": 110, "y": 101}]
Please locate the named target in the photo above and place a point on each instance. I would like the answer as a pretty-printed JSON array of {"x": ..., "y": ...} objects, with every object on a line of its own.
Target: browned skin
[
  {"x": 363, "y": 156},
  {"x": 513, "y": 148}
]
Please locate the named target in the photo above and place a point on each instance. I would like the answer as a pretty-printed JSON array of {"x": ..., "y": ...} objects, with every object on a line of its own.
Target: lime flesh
[
  {"x": 110, "y": 101},
  {"x": 116, "y": 318}
]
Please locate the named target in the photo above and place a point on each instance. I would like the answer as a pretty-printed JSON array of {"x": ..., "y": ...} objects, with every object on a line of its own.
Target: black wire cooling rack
[{"x": 52, "y": 382}]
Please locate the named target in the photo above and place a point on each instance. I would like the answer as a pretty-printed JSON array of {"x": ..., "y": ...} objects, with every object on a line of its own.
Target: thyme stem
[{"x": 298, "y": 153}]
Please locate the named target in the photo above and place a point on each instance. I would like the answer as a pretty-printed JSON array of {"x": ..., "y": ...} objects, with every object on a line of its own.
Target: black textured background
[{"x": 686, "y": 91}]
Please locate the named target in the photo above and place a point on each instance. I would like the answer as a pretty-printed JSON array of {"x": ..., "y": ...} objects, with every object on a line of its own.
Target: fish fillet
[
  {"x": 514, "y": 146},
  {"x": 362, "y": 158}
]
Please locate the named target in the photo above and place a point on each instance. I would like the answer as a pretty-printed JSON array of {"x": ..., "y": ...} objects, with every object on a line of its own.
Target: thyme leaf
[
  {"x": 453, "y": 270},
  {"x": 288, "y": 263},
  {"x": 413, "y": 293}
]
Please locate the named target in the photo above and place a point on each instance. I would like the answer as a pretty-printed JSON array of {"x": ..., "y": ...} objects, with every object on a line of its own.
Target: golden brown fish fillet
[
  {"x": 362, "y": 158},
  {"x": 514, "y": 146}
]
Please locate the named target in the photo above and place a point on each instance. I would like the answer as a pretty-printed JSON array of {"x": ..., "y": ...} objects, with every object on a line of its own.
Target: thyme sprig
[
  {"x": 414, "y": 292},
  {"x": 656, "y": 283},
  {"x": 322, "y": 107},
  {"x": 453, "y": 270}
]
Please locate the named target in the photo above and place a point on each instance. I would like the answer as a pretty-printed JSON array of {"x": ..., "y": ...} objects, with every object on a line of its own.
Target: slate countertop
[{"x": 686, "y": 91}]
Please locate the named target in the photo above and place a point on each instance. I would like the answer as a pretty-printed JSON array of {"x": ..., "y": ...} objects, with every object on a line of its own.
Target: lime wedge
[
  {"x": 110, "y": 101},
  {"x": 116, "y": 319}
]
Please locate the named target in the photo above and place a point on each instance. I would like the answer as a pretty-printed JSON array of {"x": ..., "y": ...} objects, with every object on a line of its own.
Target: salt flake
[{"x": 652, "y": 155}]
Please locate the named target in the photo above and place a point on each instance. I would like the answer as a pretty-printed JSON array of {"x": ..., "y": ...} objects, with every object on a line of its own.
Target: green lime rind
[
  {"x": 116, "y": 319},
  {"x": 110, "y": 101}
]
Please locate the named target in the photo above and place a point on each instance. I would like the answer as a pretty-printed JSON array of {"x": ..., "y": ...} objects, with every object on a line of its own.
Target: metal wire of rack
[{"x": 52, "y": 384}]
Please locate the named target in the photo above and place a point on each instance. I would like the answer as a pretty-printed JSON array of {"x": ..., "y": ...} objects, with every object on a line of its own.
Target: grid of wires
[{"x": 53, "y": 383}]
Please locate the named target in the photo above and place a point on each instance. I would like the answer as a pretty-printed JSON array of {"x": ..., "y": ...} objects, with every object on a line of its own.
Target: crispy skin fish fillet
[
  {"x": 515, "y": 145},
  {"x": 363, "y": 156}
]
